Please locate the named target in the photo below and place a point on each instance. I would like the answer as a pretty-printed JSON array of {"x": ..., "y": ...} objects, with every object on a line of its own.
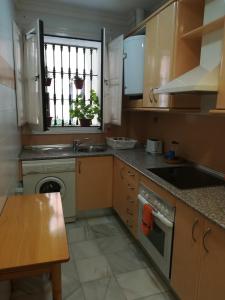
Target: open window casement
[
  {"x": 115, "y": 80},
  {"x": 19, "y": 74},
  {"x": 34, "y": 78}
]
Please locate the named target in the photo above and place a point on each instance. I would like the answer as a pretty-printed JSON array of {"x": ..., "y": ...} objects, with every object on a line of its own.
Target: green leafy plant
[{"x": 86, "y": 109}]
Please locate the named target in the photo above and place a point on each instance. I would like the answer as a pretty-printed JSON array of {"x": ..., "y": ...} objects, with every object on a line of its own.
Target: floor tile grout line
[{"x": 121, "y": 233}]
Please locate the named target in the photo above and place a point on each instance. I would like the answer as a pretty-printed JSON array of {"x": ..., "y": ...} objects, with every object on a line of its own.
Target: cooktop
[{"x": 187, "y": 177}]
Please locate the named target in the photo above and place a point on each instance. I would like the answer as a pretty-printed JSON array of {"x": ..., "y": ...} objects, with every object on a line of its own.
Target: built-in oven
[{"x": 158, "y": 242}]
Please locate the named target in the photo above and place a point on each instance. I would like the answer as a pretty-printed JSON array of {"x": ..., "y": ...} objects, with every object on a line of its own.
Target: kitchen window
[{"x": 65, "y": 59}]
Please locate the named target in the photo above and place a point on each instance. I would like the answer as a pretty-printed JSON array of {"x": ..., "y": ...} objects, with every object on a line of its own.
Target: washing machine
[{"x": 49, "y": 176}]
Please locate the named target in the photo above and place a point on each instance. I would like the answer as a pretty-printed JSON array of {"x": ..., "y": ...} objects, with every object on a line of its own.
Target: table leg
[{"x": 56, "y": 282}]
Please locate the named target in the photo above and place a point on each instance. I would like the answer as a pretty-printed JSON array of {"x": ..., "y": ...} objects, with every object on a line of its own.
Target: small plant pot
[
  {"x": 79, "y": 83},
  {"x": 48, "y": 121},
  {"x": 48, "y": 81},
  {"x": 85, "y": 122}
]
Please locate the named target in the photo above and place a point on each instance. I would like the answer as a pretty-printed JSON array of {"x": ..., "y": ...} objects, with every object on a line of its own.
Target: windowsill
[{"x": 68, "y": 130}]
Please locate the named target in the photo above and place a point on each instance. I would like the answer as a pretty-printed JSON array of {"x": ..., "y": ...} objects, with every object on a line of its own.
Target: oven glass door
[
  {"x": 158, "y": 243},
  {"x": 157, "y": 238}
]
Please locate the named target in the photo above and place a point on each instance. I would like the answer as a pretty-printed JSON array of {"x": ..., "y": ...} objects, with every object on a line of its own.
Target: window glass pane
[
  {"x": 73, "y": 60},
  {"x": 95, "y": 62},
  {"x": 59, "y": 112},
  {"x": 70, "y": 56},
  {"x": 66, "y": 113},
  {"x": 58, "y": 86},
  {"x": 80, "y": 62},
  {"x": 57, "y": 58}
]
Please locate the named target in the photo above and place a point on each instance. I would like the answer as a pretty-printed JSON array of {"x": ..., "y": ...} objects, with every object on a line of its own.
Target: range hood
[
  {"x": 199, "y": 80},
  {"x": 203, "y": 78}
]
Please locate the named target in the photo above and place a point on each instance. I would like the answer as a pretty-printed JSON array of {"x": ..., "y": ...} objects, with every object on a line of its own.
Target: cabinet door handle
[
  {"x": 153, "y": 95},
  {"x": 150, "y": 96},
  {"x": 193, "y": 230},
  {"x": 206, "y": 233},
  {"x": 79, "y": 167}
]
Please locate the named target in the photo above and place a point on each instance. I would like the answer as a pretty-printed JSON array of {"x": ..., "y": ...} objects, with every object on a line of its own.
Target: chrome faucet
[{"x": 77, "y": 143}]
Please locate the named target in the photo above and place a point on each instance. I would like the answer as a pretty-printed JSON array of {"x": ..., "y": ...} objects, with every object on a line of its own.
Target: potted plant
[
  {"x": 84, "y": 111},
  {"x": 48, "y": 79},
  {"x": 79, "y": 82}
]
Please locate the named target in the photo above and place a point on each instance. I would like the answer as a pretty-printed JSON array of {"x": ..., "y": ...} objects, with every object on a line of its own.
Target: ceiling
[{"x": 111, "y": 6}]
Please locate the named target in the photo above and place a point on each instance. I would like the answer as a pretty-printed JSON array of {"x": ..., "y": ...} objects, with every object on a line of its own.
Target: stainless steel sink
[{"x": 91, "y": 148}]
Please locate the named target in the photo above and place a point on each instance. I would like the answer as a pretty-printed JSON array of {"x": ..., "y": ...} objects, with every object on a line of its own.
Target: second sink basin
[{"x": 92, "y": 148}]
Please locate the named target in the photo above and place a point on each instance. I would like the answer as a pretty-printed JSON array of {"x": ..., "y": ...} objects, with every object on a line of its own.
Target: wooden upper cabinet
[
  {"x": 94, "y": 182},
  {"x": 211, "y": 285},
  {"x": 150, "y": 62},
  {"x": 186, "y": 252},
  {"x": 159, "y": 47},
  {"x": 220, "y": 106}
]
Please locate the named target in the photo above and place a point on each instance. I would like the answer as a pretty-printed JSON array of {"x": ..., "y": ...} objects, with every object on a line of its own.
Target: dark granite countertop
[{"x": 209, "y": 201}]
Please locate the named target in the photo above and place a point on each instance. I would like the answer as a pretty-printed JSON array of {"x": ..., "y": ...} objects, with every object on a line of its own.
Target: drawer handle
[
  {"x": 129, "y": 212},
  {"x": 193, "y": 230},
  {"x": 130, "y": 200},
  {"x": 206, "y": 233},
  {"x": 131, "y": 174},
  {"x": 130, "y": 187},
  {"x": 129, "y": 225}
]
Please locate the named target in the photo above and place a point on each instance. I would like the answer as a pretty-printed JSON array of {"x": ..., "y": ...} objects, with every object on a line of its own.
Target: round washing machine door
[{"x": 50, "y": 185}]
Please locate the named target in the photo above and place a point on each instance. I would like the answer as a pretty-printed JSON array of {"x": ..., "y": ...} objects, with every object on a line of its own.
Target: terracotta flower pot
[
  {"x": 85, "y": 122},
  {"x": 48, "y": 81},
  {"x": 79, "y": 83}
]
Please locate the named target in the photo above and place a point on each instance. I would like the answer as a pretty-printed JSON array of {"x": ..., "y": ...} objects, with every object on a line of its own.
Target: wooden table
[{"x": 33, "y": 238}]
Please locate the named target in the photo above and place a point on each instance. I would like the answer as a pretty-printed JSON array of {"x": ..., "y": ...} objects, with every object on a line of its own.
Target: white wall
[
  {"x": 69, "y": 21},
  {"x": 9, "y": 134}
]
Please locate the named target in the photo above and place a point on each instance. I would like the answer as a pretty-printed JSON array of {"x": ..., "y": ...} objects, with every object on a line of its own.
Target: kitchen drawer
[
  {"x": 131, "y": 175},
  {"x": 131, "y": 188},
  {"x": 131, "y": 201},
  {"x": 130, "y": 212},
  {"x": 131, "y": 223}
]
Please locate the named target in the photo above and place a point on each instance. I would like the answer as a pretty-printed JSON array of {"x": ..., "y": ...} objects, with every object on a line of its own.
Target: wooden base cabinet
[
  {"x": 198, "y": 265},
  {"x": 94, "y": 182},
  {"x": 186, "y": 252},
  {"x": 212, "y": 276},
  {"x": 125, "y": 190}
]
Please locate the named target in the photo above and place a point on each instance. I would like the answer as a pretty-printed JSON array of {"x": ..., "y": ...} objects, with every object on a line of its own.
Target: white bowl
[{"x": 120, "y": 142}]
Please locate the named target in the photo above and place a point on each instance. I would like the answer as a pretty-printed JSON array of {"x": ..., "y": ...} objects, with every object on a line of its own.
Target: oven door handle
[
  {"x": 162, "y": 219},
  {"x": 156, "y": 214}
]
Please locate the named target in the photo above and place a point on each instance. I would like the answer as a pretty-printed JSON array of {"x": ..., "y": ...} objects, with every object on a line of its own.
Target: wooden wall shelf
[
  {"x": 217, "y": 111},
  {"x": 200, "y": 31},
  {"x": 172, "y": 110}
]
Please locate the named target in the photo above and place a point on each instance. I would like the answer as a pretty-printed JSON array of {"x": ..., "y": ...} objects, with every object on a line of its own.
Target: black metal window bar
[{"x": 62, "y": 63}]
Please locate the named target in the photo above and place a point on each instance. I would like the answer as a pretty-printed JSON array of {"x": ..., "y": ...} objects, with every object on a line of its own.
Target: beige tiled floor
[
  {"x": 109, "y": 265},
  {"x": 105, "y": 264}
]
